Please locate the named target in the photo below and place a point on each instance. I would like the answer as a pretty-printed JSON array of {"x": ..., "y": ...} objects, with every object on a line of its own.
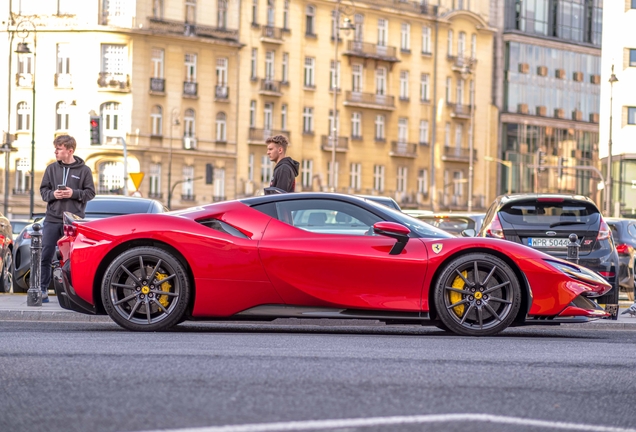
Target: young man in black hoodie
[
  {"x": 67, "y": 186},
  {"x": 286, "y": 168}
]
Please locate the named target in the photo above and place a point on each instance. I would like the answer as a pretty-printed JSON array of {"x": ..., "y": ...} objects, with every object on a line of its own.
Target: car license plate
[{"x": 546, "y": 242}]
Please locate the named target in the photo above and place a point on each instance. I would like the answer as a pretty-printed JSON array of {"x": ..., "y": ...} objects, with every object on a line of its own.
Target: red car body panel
[{"x": 282, "y": 264}]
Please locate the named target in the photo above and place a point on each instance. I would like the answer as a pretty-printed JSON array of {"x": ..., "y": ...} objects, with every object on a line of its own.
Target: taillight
[
  {"x": 607, "y": 274},
  {"x": 26, "y": 235},
  {"x": 623, "y": 249},
  {"x": 603, "y": 231},
  {"x": 495, "y": 229},
  {"x": 70, "y": 230}
]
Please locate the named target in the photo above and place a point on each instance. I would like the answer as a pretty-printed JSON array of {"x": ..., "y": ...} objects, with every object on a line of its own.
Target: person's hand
[{"x": 64, "y": 193}]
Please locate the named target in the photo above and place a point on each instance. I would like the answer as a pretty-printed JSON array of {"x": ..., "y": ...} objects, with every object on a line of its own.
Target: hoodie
[
  {"x": 76, "y": 176},
  {"x": 285, "y": 174}
]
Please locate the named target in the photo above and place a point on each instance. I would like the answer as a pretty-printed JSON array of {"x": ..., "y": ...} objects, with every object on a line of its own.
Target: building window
[
  {"x": 222, "y": 14},
  {"x": 268, "y": 116},
  {"x": 380, "y": 81},
  {"x": 403, "y": 129},
  {"x": 404, "y": 84},
  {"x": 356, "y": 75},
  {"x": 270, "y": 13},
  {"x": 334, "y": 75},
  {"x": 310, "y": 63},
  {"x": 458, "y": 184},
  {"x": 189, "y": 124},
  {"x": 460, "y": 91},
  {"x": 286, "y": 14},
  {"x": 112, "y": 119},
  {"x": 221, "y": 72},
  {"x": 269, "y": 65},
  {"x": 110, "y": 177},
  {"x": 308, "y": 120},
  {"x": 190, "y": 11},
  {"x": 379, "y": 127},
  {"x": 22, "y": 176},
  {"x": 252, "y": 114},
  {"x": 221, "y": 127},
  {"x": 405, "y": 37},
  {"x": 383, "y": 29},
  {"x": 331, "y": 123},
  {"x": 356, "y": 125},
  {"x": 335, "y": 174},
  {"x": 402, "y": 175},
  {"x": 63, "y": 58},
  {"x": 448, "y": 89},
  {"x": 459, "y": 135},
  {"x": 426, "y": 40},
  {"x": 423, "y": 132},
  {"x": 285, "y": 68},
  {"x": 114, "y": 59},
  {"x": 190, "y": 67},
  {"x": 378, "y": 178},
  {"x": 422, "y": 181},
  {"x": 633, "y": 4},
  {"x": 310, "y": 20},
  {"x": 334, "y": 25},
  {"x": 283, "y": 117},
  {"x": 306, "y": 173},
  {"x": 358, "y": 31},
  {"x": 253, "y": 61},
  {"x": 425, "y": 87},
  {"x": 254, "y": 11},
  {"x": 355, "y": 176},
  {"x": 250, "y": 167},
  {"x": 631, "y": 115},
  {"x": 266, "y": 170},
  {"x": 187, "y": 187},
  {"x": 473, "y": 46},
  {"x": 157, "y": 9},
  {"x": 632, "y": 57},
  {"x": 447, "y": 132},
  {"x": 25, "y": 64},
  {"x": 155, "y": 180},
  {"x": 449, "y": 45},
  {"x": 219, "y": 185},
  {"x": 157, "y": 62},
  {"x": 115, "y": 12},
  {"x": 62, "y": 117},
  {"x": 461, "y": 44}
]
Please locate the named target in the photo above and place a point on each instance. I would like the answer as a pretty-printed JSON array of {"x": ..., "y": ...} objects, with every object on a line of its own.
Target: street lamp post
[
  {"x": 23, "y": 29},
  {"x": 174, "y": 121},
  {"x": 609, "y": 183}
]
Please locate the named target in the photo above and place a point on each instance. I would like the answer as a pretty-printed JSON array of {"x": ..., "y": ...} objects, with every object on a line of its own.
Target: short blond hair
[
  {"x": 66, "y": 141},
  {"x": 280, "y": 140}
]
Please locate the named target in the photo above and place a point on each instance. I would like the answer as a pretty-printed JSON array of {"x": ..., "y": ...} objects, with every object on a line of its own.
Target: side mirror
[
  {"x": 469, "y": 233},
  {"x": 396, "y": 231}
]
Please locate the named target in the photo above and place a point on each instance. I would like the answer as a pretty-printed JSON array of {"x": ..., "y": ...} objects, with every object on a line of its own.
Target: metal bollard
[
  {"x": 573, "y": 248},
  {"x": 34, "y": 294}
]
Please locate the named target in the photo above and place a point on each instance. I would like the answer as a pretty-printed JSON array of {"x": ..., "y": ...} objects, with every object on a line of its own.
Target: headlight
[{"x": 578, "y": 272}]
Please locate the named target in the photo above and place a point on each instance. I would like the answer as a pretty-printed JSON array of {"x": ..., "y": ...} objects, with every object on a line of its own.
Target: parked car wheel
[
  {"x": 6, "y": 279},
  {"x": 145, "y": 289},
  {"x": 477, "y": 295}
]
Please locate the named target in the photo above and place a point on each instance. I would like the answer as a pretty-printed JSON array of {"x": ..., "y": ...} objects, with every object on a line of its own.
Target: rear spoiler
[{"x": 71, "y": 218}]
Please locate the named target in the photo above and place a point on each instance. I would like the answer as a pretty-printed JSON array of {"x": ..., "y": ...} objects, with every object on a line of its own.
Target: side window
[
  {"x": 632, "y": 230},
  {"x": 327, "y": 216}
]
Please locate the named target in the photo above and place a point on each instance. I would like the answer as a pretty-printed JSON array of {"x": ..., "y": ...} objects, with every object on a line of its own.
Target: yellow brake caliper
[
  {"x": 454, "y": 297},
  {"x": 164, "y": 287}
]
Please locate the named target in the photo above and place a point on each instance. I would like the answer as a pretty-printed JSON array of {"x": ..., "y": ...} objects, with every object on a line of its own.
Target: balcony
[
  {"x": 114, "y": 81},
  {"x": 189, "y": 143},
  {"x": 24, "y": 80},
  {"x": 371, "y": 51},
  {"x": 190, "y": 89},
  {"x": 461, "y": 63},
  {"x": 460, "y": 111},
  {"x": 258, "y": 136},
  {"x": 188, "y": 197},
  {"x": 342, "y": 145},
  {"x": 163, "y": 26},
  {"x": 221, "y": 92},
  {"x": 403, "y": 149},
  {"x": 458, "y": 154},
  {"x": 63, "y": 80},
  {"x": 272, "y": 35},
  {"x": 155, "y": 195},
  {"x": 157, "y": 85},
  {"x": 369, "y": 100},
  {"x": 270, "y": 87}
]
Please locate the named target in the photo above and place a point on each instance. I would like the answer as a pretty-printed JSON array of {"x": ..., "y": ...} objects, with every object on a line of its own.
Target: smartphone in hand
[{"x": 61, "y": 187}]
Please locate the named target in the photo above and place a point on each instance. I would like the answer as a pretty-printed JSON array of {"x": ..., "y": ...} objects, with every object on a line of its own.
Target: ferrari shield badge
[{"x": 437, "y": 247}]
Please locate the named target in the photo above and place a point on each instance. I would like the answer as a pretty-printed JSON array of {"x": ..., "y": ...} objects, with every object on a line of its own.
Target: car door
[{"x": 322, "y": 252}]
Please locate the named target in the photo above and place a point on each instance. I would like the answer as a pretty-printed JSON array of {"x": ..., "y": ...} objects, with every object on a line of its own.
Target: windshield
[{"x": 421, "y": 228}]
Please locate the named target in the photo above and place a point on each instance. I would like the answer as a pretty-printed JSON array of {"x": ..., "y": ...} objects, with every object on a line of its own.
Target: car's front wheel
[
  {"x": 6, "y": 279},
  {"x": 477, "y": 295},
  {"x": 146, "y": 289}
]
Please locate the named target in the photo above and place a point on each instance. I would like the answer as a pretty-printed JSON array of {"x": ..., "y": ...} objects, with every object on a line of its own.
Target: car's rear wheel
[
  {"x": 477, "y": 295},
  {"x": 6, "y": 279},
  {"x": 146, "y": 289}
]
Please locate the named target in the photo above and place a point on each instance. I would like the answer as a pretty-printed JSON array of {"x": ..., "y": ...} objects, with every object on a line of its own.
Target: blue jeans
[{"x": 51, "y": 233}]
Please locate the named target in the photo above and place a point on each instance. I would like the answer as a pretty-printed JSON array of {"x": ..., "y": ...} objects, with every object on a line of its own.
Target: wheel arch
[
  {"x": 103, "y": 266},
  {"x": 526, "y": 294}
]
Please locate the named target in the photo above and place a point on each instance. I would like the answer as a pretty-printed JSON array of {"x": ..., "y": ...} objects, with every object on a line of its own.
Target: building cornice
[
  {"x": 551, "y": 43},
  {"x": 547, "y": 121}
]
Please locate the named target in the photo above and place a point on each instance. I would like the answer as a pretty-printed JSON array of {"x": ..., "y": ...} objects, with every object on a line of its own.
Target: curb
[{"x": 20, "y": 315}]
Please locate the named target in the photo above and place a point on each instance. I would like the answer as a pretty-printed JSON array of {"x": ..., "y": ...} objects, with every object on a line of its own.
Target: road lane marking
[{"x": 399, "y": 420}]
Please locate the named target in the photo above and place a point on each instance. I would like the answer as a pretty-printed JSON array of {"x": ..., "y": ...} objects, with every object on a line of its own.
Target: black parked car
[
  {"x": 624, "y": 232},
  {"x": 102, "y": 206},
  {"x": 454, "y": 223},
  {"x": 545, "y": 221}
]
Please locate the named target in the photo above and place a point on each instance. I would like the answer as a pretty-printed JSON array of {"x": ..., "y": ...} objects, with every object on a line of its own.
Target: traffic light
[
  {"x": 96, "y": 130},
  {"x": 541, "y": 160},
  {"x": 562, "y": 161},
  {"x": 209, "y": 174}
]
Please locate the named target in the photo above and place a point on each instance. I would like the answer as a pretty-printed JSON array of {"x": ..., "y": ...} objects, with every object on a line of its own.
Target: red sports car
[{"x": 313, "y": 255}]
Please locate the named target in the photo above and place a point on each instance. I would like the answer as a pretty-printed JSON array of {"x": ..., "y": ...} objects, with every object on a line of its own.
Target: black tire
[
  {"x": 136, "y": 299},
  {"x": 477, "y": 295},
  {"x": 6, "y": 277}
]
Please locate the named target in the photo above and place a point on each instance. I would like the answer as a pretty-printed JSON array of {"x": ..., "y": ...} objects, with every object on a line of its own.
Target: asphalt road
[{"x": 95, "y": 377}]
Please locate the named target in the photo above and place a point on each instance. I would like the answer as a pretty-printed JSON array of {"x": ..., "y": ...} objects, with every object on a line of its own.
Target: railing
[
  {"x": 460, "y": 62},
  {"x": 458, "y": 154},
  {"x": 157, "y": 85},
  {"x": 271, "y": 86},
  {"x": 24, "y": 80},
  {"x": 260, "y": 135},
  {"x": 272, "y": 33},
  {"x": 370, "y": 98},
  {"x": 459, "y": 110},
  {"x": 365, "y": 49},
  {"x": 190, "y": 88},
  {"x": 188, "y": 197},
  {"x": 63, "y": 80},
  {"x": 221, "y": 92},
  {"x": 403, "y": 149},
  {"x": 114, "y": 81},
  {"x": 155, "y": 195},
  {"x": 180, "y": 27},
  {"x": 342, "y": 143}
]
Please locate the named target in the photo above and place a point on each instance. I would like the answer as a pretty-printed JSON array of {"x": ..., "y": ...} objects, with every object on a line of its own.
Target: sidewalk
[{"x": 13, "y": 307}]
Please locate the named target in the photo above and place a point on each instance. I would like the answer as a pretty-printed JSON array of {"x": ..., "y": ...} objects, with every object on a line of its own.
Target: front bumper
[
  {"x": 580, "y": 310},
  {"x": 66, "y": 295}
]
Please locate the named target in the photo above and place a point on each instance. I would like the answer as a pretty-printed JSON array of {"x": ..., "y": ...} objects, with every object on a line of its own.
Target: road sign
[{"x": 136, "y": 179}]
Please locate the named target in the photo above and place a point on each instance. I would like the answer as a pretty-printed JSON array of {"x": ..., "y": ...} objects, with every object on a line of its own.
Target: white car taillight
[
  {"x": 495, "y": 229},
  {"x": 604, "y": 231}
]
